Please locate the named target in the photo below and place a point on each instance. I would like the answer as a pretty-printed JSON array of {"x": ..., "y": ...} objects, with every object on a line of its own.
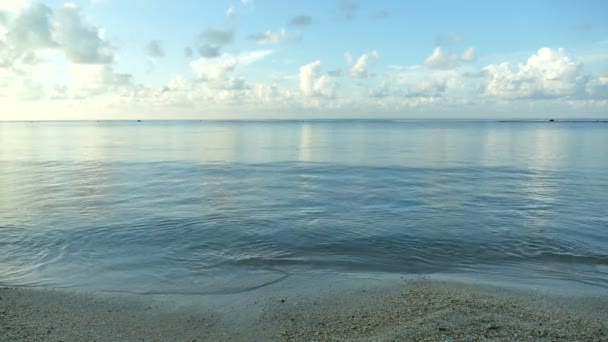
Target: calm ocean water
[{"x": 211, "y": 207}]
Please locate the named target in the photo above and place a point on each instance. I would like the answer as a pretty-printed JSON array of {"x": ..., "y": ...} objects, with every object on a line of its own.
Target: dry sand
[{"x": 421, "y": 310}]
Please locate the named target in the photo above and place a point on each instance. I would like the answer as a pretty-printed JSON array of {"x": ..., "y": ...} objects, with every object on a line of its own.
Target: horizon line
[{"x": 548, "y": 119}]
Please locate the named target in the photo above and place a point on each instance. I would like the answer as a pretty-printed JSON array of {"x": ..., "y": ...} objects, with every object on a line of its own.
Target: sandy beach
[{"x": 421, "y": 310}]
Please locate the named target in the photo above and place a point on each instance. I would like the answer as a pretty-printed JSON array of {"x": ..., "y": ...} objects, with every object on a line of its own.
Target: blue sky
[{"x": 110, "y": 59}]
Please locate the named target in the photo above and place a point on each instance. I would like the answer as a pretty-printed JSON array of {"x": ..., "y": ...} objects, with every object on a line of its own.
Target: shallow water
[{"x": 215, "y": 207}]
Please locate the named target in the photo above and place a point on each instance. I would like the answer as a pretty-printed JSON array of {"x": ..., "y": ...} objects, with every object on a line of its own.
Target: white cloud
[
  {"x": 179, "y": 83},
  {"x": 253, "y": 56},
  {"x": 360, "y": 69},
  {"x": 267, "y": 92},
  {"x": 598, "y": 88},
  {"x": 411, "y": 84},
  {"x": 267, "y": 37},
  {"x": 58, "y": 55},
  {"x": 80, "y": 40},
  {"x": 427, "y": 88},
  {"x": 12, "y": 6},
  {"x": 21, "y": 87},
  {"x": 348, "y": 57},
  {"x": 273, "y": 38},
  {"x": 469, "y": 55},
  {"x": 94, "y": 79},
  {"x": 32, "y": 29},
  {"x": 37, "y": 27},
  {"x": 312, "y": 83},
  {"x": 547, "y": 73},
  {"x": 230, "y": 13},
  {"x": 216, "y": 70},
  {"x": 101, "y": 33},
  {"x": 439, "y": 60}
]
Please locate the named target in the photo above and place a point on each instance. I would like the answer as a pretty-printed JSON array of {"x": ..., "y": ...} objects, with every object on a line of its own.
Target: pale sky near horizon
[{"x": 259, "y": 59}]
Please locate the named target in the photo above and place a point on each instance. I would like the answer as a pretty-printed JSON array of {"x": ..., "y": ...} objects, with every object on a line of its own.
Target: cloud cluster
[
  {"x": 57, "y": 54},
  {"x": 410, "y": 89},
  {"x": 217, "y": 73},
  {"x": 81, "y": 41},
  {"x": 361, "y": 66},
  {"x": 440, "y": 60},
  {"x": 35, "y": 35},
  {"x": 313, "y": 83},
  {"x": 549, "y": 73}
]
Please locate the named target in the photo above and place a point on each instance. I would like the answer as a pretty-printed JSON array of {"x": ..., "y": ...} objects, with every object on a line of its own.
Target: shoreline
[{"x": 304, "y": 309}]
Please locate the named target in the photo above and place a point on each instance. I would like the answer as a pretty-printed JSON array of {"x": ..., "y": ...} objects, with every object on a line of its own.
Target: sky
[{"x": 263, "y": 59}]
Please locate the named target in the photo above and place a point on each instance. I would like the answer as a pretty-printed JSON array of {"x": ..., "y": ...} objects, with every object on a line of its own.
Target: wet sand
[{"x": 421, "y": 310}]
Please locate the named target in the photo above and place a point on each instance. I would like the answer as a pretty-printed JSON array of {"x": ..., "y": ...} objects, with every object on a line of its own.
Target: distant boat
[
  {"x": 138, "y": 120},
  {"x": 551, "y": 120}
]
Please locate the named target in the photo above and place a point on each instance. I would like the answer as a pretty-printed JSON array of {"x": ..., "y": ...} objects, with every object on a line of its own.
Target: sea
[{"x": 211, "y": 207}]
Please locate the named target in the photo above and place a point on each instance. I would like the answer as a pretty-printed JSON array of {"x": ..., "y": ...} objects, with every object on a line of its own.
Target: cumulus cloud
[
  {"x": 83, "y": 63},
  {"x": 37, "y": 37},
  {"x": 549, "y": 73},
  {"x": 32, "y": 29},
  {"x": 439, "y": 60},
  {"x": 347, "y": 8},
  {"x": 154, "y": 49},
  {"x": 469, "y": 55},
  {"x": 360, "y": 68},
  {"x": 80, "y": 40},
  {"x": 300, "y": 21},
  {"x": 313, "y": 84},
  {"x": 215, "y": 70}
]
